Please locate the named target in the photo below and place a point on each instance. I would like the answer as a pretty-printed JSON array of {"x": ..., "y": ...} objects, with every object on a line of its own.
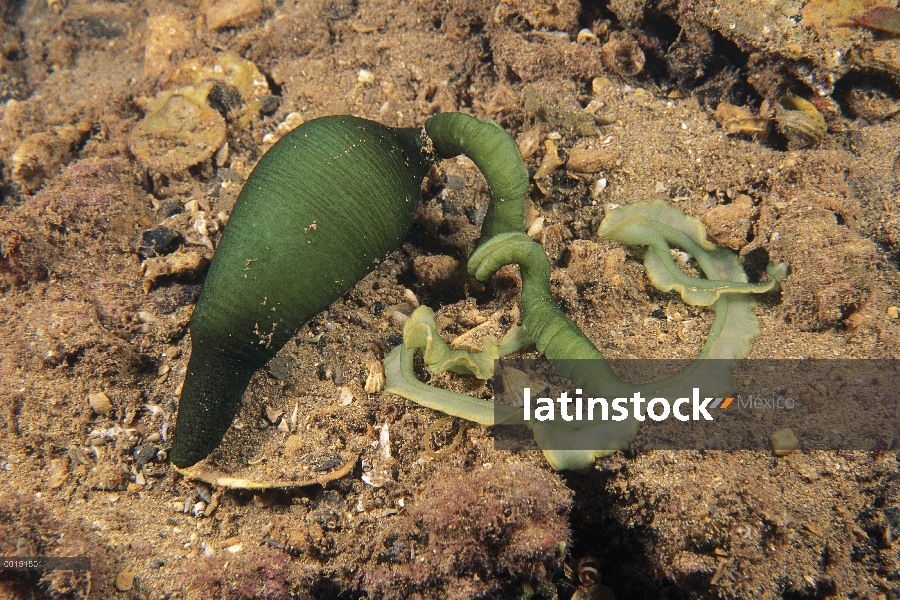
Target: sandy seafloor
[{"x": 633, "y": 86}]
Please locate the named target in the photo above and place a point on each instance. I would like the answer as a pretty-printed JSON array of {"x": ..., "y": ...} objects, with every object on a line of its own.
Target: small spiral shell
[
  {"x": 800, "y": 121},
  {"x": 588, "y": 570}
]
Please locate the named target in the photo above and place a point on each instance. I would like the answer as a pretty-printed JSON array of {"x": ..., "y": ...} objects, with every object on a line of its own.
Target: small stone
[
  {"x": 170, "y": 207},
  {"x": 893, "y": 312},
  {"x": 784, "y": 441},
  {"x": 158, "y": 241},
  {"x": 281, "y": 368},
  {"x": 601, "y": 85},
  {"x": 125, "y": 580},
  {"x": 592, "y": 160},
  {"x": 268, "y": 103},
  {"x": 144, "y": 453},
  {"x": 225, "y": 14},
  {"x": 100, "y": 403}
]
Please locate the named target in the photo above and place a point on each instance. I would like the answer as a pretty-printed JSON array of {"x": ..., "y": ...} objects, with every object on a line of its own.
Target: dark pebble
[
  {"x": 379, "y": 308},
  {"x": 224, "y": 98},
  {"x": 170, "y": 207},
  {"x": 158, "y": 241},
  {"x": 282, "y": 367},
  {"x": 394, "y": 340},
  {"x": 658, "y": 314},
  {"x": 157, "y": 563},
  {"x": 144, "y": 453},
  {"x": 269, "y": 104}
]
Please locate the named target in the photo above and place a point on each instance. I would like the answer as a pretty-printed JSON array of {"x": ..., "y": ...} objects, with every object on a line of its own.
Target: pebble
[
  {"x": 125, "y": 580},
  {"x": 893, "y": 312},
  {"x": 227, "y": 14},
  {"x": 784, "y": 441},
  {"x": 592, "y": 160},
  {"x": 144, "y": 453},
  {"x": 100, "y": 403},
  {"x": 269, "y": 103}
]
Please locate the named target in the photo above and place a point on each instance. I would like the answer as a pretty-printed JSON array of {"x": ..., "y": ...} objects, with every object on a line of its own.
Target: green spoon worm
[
  {"x": 321, "y": 209},
  {"x": 495, "y": 153}
]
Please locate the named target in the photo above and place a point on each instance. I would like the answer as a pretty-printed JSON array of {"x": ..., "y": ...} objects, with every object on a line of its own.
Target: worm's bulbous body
[{"x": 321, "y": 209}]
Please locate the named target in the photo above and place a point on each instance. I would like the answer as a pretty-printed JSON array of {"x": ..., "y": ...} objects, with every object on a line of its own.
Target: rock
[
  {"x": 100, "y": 403},
  {"x": 125, "y": 580},
  {"x": 784, "y": 441},
  {"x": 622, "y": 54},
  {"x": 189, "y": 263},
  {"x": 144, "y": 453},
  {"x": 439, "y": 271},
  {"x": 232, "y": 13},
  {"x": 158, "y": 241},
  {"x": 268, "y": 103},
  {"x": 179, "y": 131},
  {"x": 561, "y": 15},
  {"x": 40, "y": 156},
  {"x": 59, "y": 472},
  {"x": 592, "y": 160},
  {"x": 729, "y": 225}
]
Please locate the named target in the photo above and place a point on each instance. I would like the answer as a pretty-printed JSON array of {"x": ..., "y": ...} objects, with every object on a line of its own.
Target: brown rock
[
  {"x": 232, "y": 13},
  {"x": 729, "y": 225},
  {"x": 124, "y": 580},
  {"x": 100, "y": 403},
  {"x": 592, "y": 160},
  {"x": 40, "y": 156},
  {"x": 439, "y": 271}
]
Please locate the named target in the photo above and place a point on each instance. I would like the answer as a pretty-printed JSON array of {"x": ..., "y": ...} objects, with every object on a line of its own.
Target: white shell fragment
[{"x": 375, "y": 379}]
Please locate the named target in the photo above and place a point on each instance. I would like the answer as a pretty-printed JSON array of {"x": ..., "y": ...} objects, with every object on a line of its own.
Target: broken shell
[
  {"x": 800, "y": 121},
  {"x": 375, "y": 378},
  {"x": 740, "y": 119},
  {"x": 273, "y": 414},
  {"x": 550, "y": 162},
  {"x": 536, "y": 227},
  {"x": 529, "y": 142},
  {"x": 59, "y": 472}
]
